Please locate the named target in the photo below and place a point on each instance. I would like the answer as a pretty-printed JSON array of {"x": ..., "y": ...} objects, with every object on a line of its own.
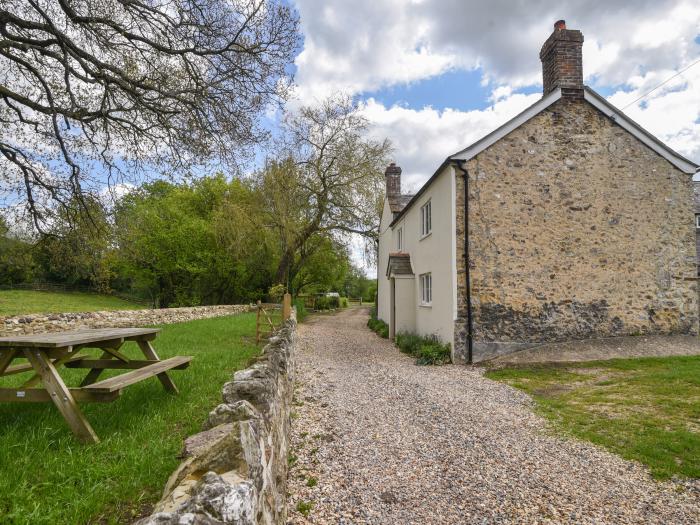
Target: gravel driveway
[{"x": 385, "y": 441}]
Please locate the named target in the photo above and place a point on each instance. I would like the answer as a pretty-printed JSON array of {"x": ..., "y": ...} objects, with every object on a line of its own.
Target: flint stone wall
[
  {"x": 235, "y": 471},
  {"x": 577, "y": 231},
  {"x": 28, "y": 324}
]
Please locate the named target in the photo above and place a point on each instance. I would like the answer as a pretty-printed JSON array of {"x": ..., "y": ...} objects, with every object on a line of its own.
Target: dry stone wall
[
  {"x": 577, "y": 230},
  {"x": 28, "y": 324},
  {"x": 235, "y": 471}
]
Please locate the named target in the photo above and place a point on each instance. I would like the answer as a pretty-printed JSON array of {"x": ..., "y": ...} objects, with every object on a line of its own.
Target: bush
[
  {"x": 301, "y": 310},
  {"x": 427, "y": 350},
  {"x": 378, "y": 326},
  {"x": 344, "y": 302},
  {"x": 327, "y": 303}
]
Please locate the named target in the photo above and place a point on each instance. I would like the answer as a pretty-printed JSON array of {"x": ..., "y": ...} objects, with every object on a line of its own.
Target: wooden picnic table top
[{"x": 74, "y": 337}]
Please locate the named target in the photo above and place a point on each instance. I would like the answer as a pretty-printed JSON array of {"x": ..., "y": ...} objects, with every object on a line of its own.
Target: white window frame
[
  {"x": 426, "y": 219},
  {"x": 426, "y": 289},
  {"x": 697, "y": 220},
  {"x": 399, "y": 239}
]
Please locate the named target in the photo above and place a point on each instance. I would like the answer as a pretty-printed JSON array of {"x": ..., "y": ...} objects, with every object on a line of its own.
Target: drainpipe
[{"x": 461, "y": 166}]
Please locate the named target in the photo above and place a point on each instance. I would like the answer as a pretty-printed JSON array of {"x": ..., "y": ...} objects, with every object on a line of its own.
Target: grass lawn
[
  {"x": 19, "y": 302},
  {"x": 643, "y": 409},
  {"x": 47, "y": 477}
]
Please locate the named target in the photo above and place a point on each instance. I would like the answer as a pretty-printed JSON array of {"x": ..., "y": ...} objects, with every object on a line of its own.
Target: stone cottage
[{"x": 575, "y": 222}]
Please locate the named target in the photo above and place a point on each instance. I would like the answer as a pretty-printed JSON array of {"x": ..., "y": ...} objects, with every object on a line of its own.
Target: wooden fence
[{"x": 270, "y": 317}]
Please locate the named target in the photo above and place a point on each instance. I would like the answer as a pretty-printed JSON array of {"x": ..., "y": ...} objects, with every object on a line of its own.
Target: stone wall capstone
[
  {"x": 235, "y": 471},
  {"x": 29, "y": 324}
]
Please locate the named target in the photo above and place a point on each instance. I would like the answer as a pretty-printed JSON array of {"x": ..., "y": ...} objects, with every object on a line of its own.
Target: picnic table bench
[{"x": 46, "y": 353}]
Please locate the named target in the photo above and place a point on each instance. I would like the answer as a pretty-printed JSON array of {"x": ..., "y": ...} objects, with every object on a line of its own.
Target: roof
[
  {"x": 398, "y": 202},
  {"x": 593, "y": 98},
  {"x": 399, "y": 264}
]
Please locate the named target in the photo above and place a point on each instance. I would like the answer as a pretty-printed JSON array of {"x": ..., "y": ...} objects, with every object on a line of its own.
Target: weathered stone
[
  {"x": 236, "y": 471},
  {"x": 113, "y": 319},
  {"x": 598, "y": 244},
  {"x": 195, "y": 444},
  {"x": 228, "y": 413}
]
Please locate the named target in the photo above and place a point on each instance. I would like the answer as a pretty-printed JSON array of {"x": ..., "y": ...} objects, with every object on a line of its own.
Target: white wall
[
  {"x": 434, "y": 253},
  {"x": 385, "y": 247}
]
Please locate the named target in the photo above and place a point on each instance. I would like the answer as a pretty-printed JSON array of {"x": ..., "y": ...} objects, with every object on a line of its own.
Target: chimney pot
[{"x": 559, "y": 25}]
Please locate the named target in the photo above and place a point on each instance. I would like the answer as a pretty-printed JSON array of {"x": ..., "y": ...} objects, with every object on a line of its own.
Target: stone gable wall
[
  {"x": 577, "y": 230},
  {"x": 235, "y": 471},
  {"x": 29, "y": 324}
]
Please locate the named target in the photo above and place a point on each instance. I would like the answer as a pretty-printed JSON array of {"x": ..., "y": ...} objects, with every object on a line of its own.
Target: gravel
[{"x": 389, "y": 442}]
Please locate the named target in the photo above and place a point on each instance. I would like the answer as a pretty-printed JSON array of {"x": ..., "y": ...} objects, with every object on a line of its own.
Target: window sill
[
  {"x": 425, "y": 236},
  {"x": 426, "y": 305}
]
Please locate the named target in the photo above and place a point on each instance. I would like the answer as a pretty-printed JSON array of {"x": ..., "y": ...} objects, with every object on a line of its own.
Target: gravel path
[{"x": 389, "y": 442}]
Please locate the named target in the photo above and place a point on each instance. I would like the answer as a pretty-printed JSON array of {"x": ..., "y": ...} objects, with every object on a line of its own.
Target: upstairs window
[
  {"x": 426, "y": 289},
  {"x": 399, "y": 239},
  {"x": 697, "y": 220},
  {"x": 426, "y": 219}
]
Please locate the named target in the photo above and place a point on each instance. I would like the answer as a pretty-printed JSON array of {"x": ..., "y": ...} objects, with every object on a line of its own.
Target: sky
[{"x": 434, "y": 76}]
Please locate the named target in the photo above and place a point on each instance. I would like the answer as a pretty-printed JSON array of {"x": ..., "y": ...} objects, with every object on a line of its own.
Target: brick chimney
[
  {"x": 392, "y": 176},
  {"x": 562, "y": 62}
]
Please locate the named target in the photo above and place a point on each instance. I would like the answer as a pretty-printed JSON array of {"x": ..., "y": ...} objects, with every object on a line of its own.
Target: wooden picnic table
[{"x": 46, "y": 353}]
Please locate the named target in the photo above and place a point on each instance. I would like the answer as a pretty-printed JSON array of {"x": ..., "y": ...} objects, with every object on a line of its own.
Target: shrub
[
  {"x": 427, "y": 350},
  {"x": 327, "y": 303},
  {"x": 378, "y": 326},
  {"x": 301, "y": 310},
  {"x": 343, "y": 302}
]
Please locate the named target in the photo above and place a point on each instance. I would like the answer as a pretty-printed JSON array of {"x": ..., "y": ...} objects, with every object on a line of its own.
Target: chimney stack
[
  {"x": 392, "y": 176},
  {"x": 562, "y": 61}
]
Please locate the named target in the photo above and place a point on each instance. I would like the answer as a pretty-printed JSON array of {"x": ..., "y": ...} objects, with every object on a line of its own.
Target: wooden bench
[{"x": 46, "y": 353}]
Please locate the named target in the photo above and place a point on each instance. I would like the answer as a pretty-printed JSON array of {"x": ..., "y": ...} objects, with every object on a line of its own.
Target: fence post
[
  {"x": 287, "y": 307},
  {"x": 257, "y": 323}
]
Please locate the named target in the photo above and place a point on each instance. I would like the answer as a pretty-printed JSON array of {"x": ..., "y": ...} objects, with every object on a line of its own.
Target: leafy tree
[
  {"x": 324, "y": 269},
  {"x": 172, "y": 244},
  {"x": 17, "y": 263},
  {"x": 74, "y": 251},
  {"x": 329, "y": 184},
  {"x": 101, "y": 90}
]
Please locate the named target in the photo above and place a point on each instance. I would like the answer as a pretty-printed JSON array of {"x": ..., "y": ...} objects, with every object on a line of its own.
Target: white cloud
[
  {"x": 423, "y": 138},
  {"x": 367, "y": 44}
]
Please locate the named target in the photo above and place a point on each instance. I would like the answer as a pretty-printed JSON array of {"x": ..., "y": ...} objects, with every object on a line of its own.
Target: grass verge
[
  {"x": 48, "y": 478},
  {"x": 642, "y": 409},
  {"x": 20, "y": 302}
]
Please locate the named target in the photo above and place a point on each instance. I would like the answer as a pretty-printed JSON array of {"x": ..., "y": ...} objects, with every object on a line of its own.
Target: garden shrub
[
  {"x": 427, "y": 350},
  {"x": 344, "y": 302},
  {"x": 377, "y": 325},
  {"x": 301, "y": 309}
]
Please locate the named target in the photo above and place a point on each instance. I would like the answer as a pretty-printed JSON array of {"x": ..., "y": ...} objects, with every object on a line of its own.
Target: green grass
[
  {"x": 48, "y": 477},
  {"x": 19, "y": 302},
  {"x": 643, "y": 409}
]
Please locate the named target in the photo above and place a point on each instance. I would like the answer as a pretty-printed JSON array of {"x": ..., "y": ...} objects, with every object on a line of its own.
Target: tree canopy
[{"x": 100, "y": 91}]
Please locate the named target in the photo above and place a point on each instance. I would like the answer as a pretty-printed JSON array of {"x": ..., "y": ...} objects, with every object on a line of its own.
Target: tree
[
  {"x": 105, "y": 90},
  {"x": 171, "y": 244},
  {"x": 17, "y": 263},
  {"x": 74, "y": 250},
  {"x": 329, "y": 184}
]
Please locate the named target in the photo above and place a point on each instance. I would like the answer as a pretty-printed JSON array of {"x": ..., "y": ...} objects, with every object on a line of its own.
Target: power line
[{"x": 664, "y": 82}]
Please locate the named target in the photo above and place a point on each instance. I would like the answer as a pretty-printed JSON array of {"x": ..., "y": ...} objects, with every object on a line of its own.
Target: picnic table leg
[
  {"x": 5, "y": 359},
  {"x": 164, "y": 378},
  {"x": 95, "y": 373},
  {"x": 61, "y": 396}
]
